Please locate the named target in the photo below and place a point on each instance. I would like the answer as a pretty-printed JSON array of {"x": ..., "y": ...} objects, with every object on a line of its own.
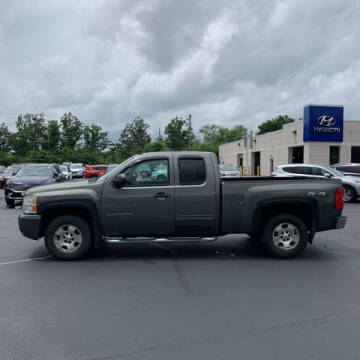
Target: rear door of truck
[{"x": 196, "y": 195}]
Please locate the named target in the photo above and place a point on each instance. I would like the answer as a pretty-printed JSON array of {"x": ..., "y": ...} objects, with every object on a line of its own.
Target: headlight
[
  {"x": 29, "y": 204},
  {"x": 357, "y": 181}
]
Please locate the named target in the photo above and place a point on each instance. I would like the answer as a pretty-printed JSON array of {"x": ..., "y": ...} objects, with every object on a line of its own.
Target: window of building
[
  {"x": 192, "y": 171},
  {"x": 148, "y": 173},
  {"x": 271, "y": 165},
  {"x": 355, "y": 154},
  {"x": 334, "y": 154}
]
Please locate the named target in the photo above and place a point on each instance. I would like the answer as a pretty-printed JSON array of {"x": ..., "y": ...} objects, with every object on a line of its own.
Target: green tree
[
  {"x": 157, "y": 145},
  {"x": 71, "y": 130},
  {"x": 95, "y": 139},
  {"x": 5, "y": 138},
  {"x": 178, "y": 134},
  {"x": 216, "y": 135},
  {"x": 30, "y": 135},
  {"x": 274, "y": 124},
  {"x": 53, "y": 136},
  {"x": 133, "y": 138}
]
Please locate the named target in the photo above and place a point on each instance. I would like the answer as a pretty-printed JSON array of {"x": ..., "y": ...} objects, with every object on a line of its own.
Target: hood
[
  {"x": 68, "y": 185},
  {"x": 28, "y": 179},
  {"x": 350, "y": 178}
]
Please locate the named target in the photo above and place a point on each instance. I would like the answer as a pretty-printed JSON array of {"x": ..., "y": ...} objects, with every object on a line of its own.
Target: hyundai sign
[{"x": 323, "y": 123}]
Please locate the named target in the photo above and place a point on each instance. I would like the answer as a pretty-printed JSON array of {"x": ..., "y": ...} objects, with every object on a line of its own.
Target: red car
[
  {"x": 95, "y": 171},
  {"x": 8, "y": 173}
]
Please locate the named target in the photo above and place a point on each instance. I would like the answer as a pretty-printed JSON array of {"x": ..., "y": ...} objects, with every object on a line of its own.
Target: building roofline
[{"x": 327, "y": 105}]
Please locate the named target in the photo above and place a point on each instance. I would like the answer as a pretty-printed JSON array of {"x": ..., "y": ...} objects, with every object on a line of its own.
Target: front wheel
[
  {"x": 68, "y": 238},
  {"x": 349, "y": 194},
  {"x": 285, "y": 236}
]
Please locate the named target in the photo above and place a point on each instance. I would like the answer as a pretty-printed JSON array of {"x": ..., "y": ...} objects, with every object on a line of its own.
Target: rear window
[
  {"x": 192, "y": 171},
  {"x": 99, "y": 167}
]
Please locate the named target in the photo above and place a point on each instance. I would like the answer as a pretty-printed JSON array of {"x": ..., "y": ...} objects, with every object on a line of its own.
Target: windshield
[
  {"x": 109, "y": 173},
  {"x": 334, "y": 171},
  {"x": 63, "y": 168},
  {"x": 228, "y": 168},
  {"x": 35, "y": 171},
  {"x": 11, "y": 170},
  {"x": 76, "y": 167}
]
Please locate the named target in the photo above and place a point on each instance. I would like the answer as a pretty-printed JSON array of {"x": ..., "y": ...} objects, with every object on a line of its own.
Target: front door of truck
[{"x": 144, "y": 206}]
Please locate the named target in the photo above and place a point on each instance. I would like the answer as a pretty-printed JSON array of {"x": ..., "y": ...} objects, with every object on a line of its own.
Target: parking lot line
[{"x": 24, "y": 260}]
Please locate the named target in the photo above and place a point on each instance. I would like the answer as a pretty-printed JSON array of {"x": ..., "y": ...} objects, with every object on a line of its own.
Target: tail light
[
  {"x": 273, "y": 175},
  {"x": 339, "y": 199}
]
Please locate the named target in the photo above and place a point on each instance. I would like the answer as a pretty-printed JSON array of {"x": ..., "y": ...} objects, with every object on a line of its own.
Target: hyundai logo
[{"x": 326, "y": 120}]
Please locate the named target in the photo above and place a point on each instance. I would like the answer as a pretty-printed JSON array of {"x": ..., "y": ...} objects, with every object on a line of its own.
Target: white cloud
[{"x": 226, "y": 62}]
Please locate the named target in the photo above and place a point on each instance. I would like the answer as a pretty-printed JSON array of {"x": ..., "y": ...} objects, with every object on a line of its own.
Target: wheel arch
[
  {"x": 84, "y": 209},
  {"x": 307, "y": 210}
]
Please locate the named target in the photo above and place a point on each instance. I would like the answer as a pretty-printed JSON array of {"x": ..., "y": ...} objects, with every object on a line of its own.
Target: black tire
[
  {"x": 10, "y": 203},
  {"x": 81, "y": 226},
  {"x": 293, "y": 245},
  {"x": 350, "y": 194}
]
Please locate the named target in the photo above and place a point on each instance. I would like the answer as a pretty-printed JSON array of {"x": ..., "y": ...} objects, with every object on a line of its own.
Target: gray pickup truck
[{"x": 179, "y": 197}]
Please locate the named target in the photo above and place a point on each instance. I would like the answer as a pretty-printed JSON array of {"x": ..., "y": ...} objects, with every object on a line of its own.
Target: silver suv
[
  {"x": 348, "y": 169},
  {"x": 351, "y": 183}
]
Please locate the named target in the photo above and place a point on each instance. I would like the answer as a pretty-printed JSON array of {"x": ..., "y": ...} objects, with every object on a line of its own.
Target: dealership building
[{"x": 322, "y": 137}]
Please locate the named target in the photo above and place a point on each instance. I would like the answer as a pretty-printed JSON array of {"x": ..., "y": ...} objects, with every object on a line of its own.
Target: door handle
[{"x": 161, "y": 196}]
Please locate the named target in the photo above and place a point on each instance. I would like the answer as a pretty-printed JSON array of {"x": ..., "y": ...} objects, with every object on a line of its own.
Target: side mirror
[
  {"x": 120, "y": 180},
  {"x": 328, "y": 175}
]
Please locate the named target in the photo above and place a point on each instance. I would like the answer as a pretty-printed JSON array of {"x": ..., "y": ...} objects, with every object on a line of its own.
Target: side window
[
  {"x": 318, "y": 171},
  {"x": 307, "y": 170},
  {"x": 192, "y": 171},
  {"x": 148, "y": 173},
  {"x": 293, "y": 169}
]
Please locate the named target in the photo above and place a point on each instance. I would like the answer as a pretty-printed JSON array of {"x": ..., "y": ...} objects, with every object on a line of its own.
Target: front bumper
[
  {"x": 339, "y": 222},
  {"x": 30, "y": 226},
  {"x": 14, "y": 195}
]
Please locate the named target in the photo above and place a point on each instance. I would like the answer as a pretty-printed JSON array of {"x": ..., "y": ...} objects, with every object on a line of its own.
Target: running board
[{"x": 149, "y": 240}]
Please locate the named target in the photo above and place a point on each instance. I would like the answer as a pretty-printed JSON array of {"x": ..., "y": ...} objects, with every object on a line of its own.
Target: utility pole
[{"x": 190, "y": 132}]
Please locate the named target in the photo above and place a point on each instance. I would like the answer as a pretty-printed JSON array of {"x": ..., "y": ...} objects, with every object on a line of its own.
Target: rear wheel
[
  {"x": 349, "y": 194},
  {"x": 285, "y": 236},
  {"x": 68, "y": 238}
]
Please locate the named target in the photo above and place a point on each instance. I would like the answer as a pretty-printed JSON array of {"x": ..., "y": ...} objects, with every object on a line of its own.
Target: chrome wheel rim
[
  {"x": 286, "y": 236},
  {"x": 68, "y": 238},
  {"x": 347, "y": 194}
]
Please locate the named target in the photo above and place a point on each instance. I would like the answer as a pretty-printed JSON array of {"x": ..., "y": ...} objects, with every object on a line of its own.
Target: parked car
[
  {"x": 229, "y": 170},
  {"x": 66, "y": 172},
  {"x": 191, "y": 204},
  {"x": 77, "y": 170},
  {"x": 8, "y": 173},
  {"x": 30, "y": 176},
  {"x": 2, "y": 168},
  {"x": 95, "y": 171},
  {"x": 351, "y": 183},
  {"x": 348, "y": 169}
]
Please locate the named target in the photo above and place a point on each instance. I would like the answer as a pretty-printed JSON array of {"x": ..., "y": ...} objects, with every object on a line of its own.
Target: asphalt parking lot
[{"x": 224, "y": 300}]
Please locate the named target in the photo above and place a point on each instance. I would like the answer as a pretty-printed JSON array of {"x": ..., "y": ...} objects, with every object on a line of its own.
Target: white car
[
  {"x": 66, "y": 172},
  {"x": 229, "y": 170},
  {"x": 77, "y": 170},
  {"x": 351, "y": 184}
]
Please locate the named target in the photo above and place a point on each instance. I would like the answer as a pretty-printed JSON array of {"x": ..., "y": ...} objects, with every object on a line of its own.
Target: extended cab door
[
  {"x": 196, "y": 199},
  {"x": 145, "y": 205}
]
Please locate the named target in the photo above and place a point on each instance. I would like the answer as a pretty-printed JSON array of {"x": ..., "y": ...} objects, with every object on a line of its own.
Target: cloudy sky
[{"x": 225, "y": 62}]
